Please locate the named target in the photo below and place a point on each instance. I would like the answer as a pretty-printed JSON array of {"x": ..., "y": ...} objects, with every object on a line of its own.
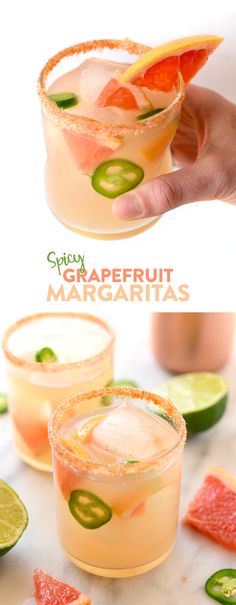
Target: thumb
[{"x": 166, "y": 192}]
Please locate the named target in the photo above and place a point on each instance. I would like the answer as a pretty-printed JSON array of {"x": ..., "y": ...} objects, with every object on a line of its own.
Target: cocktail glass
[
  {"x": 84, "y": 347},
  {"x": 77, "y": 144},
  {"x": 117, "y": 517}
]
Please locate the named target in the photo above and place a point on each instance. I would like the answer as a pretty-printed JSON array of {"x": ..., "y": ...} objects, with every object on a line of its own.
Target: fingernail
[{"x": 128, "y": 206}]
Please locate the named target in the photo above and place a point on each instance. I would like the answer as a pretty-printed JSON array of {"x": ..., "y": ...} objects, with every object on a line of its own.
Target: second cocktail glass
[
  {"x": 117, "y": 457},
  {"x": 93, "y": 152},
  {"x": 83, "y": 347}
]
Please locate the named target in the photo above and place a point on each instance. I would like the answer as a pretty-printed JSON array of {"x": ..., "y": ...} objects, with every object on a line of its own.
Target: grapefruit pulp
[
  {"x": 213, "y": 509},
  {"x": 50, "y": 591}
]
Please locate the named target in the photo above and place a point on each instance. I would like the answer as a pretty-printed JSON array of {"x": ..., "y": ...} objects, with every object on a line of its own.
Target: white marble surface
[{"x": 180, "y": 579}]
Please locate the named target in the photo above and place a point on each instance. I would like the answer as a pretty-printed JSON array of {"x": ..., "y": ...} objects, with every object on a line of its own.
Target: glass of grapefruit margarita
[{"x": 117, "y": 457}]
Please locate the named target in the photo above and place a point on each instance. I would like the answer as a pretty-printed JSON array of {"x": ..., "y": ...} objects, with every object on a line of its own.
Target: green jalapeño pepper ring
[
  {"x": 46, "y": 355},
  {"x": 3, "y": 403},
  {"x": 106, "y": 400},
  {"x": 64, "y": 99},
  {"x": 221, "y": 586},
  {"x": 114, "y": 177},
  {"x": 89, "y": 510},
  {"x": 149, "y": 114}
]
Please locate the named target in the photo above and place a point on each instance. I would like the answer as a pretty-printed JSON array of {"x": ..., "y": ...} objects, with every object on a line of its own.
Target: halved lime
[
  {"x": 13, "y": 518},
  {"x": 201, "y": 397}
]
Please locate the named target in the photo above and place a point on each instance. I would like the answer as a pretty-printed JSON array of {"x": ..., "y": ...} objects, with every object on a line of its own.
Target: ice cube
[
  {"x": 93, "y": 75},
  {"x": 87, "y": 80},
  {"x": 132, "y": 433}
]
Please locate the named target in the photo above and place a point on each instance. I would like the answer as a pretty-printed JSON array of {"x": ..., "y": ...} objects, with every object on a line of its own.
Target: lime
[
  {"x": 3, "y": 403},
  {"x": 201, "y": 397},
  {"x": 13, "y": 518}
]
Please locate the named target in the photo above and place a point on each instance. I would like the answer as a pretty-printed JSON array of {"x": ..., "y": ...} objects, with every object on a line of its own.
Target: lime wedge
[
  {"x": 201, "y": 397},
  {"x": 64, "y": 99},
  {"x": 13, "y": 518}
]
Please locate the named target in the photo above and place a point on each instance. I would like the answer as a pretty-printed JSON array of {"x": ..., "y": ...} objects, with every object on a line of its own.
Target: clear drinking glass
[
  {"x": 117, "y": 518},
  {"x": 84, "y": 346},
  {"x": 77, "y": 144}
]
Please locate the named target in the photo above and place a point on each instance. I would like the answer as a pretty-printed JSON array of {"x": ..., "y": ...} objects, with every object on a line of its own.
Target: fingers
[{"x": 166, "y": 192}]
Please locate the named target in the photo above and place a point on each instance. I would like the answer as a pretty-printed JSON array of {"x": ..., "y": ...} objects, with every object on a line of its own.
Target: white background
[{"x": 198, "y": 240}]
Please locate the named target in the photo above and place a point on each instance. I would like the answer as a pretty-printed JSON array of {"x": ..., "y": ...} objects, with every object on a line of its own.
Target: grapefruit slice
[
  {"x": 87, "y": 427},
  {"x": 158, "y": 69},
  {"x": 66, "y": 478},
  {"x": 87, "y": 152},
  {"x": 213, "y": 509},
  {"x": 34, "y": 434},
  {"x": 124, "y": 97},
  {"x": 50, "y": 591}
]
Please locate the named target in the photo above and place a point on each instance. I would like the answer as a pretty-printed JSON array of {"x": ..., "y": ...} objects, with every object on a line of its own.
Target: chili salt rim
[
  {"x": 69, "y": 459},
  {"x": 57, "y": 367},
  {"x": 85, "y": 125}
]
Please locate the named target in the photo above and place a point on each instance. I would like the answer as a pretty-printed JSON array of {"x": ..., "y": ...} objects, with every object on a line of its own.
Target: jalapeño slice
[
  {"x": 114, "y": 177},
  {"x": 122, "y": 383},
  {"x": 150, "y": 113},
  {"x": 64, "y": 99},
  {"x": 129, "y": 461},
  {"x": 88, "y": 509},
  {"x": 221, "y": 586},
  {"x": 45, "y": 355},
  {"x": 3, "y": 403}
]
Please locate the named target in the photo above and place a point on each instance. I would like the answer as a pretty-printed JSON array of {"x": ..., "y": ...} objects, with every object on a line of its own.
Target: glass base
[
  {"x": 109, "y": 236},
  {"x": 38, "y": 464},
  {"x": 119, "y": 573}
]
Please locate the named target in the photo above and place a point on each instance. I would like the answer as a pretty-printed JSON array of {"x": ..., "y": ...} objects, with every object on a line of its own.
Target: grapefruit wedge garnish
[
  {"x": 213, "y": 509},
  {"x": 158, "y": 69},
  {"x": 124, "y": 97},
  {"x": 50, "y": 591}
]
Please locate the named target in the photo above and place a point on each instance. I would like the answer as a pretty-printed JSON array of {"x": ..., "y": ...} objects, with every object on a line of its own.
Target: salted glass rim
[
  {"x": 73, "y": 460},
  {"x": 57, "y": 367},
  {"x": 89, "y": 126}
]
